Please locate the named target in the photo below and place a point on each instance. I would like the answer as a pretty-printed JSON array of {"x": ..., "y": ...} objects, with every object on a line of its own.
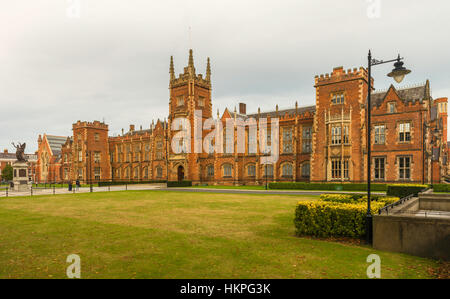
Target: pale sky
[{"x": 112, "y": 62}]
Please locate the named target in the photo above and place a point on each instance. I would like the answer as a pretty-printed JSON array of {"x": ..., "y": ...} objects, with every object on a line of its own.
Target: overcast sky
[{"x": 111, "y": 61}]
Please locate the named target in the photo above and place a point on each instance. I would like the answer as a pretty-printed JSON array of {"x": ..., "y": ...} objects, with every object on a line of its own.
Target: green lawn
[{"x": 156, "y": 234}]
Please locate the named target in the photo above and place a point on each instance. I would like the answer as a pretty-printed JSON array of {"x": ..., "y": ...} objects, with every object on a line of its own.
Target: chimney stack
[
  {"x": 242, "y": 108},
  {"x": 131, "y": 128}
]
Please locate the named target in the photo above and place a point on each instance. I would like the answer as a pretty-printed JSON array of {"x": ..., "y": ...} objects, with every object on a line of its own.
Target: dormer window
[
  {"x": 337, "y": 98},
  {"x": 391, "y": 107}
]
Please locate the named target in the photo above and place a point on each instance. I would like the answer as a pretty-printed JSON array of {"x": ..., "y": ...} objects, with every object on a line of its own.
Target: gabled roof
[{"x": 410, "y": 94}]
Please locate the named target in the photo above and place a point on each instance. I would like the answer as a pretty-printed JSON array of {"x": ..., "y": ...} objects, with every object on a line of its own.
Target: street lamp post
[{"x": 398, "y": 73}]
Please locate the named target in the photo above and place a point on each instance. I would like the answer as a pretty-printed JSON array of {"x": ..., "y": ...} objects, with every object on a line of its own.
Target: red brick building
[{"x": 325, "y": 142}]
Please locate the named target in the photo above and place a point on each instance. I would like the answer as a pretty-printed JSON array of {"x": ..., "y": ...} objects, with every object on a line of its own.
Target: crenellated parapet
[{"x": 340, "y": 75}]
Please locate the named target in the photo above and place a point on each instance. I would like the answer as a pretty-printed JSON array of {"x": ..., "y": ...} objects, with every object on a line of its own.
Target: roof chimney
[
  {"x": 242, "y": 108},
  {"x": 131, "y": 128},
  {"x": 5, "y": 150}
]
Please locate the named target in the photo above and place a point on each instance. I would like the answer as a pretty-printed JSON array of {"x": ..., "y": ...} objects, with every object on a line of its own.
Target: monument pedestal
[{"x": 20, "y": 176}]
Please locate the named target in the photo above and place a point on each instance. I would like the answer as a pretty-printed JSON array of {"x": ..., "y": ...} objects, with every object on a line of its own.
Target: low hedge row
[
  {"x": 357, "y": 198},
  {"x": 404, "y": 190},
  {"x": 114, "y": 183},
  {"x": 326, "y": 219},
  {"x": 179, "y": 184},
  {"x": 441, "y": 187},
  {"x": 328, "y": 186}
]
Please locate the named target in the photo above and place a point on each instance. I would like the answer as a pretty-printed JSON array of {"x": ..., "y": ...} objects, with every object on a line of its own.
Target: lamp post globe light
[{"x": 398, "y": 73}]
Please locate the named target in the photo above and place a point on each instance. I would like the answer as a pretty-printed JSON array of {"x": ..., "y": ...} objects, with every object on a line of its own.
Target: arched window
[
  {"x": 251, "y": 170},
  {"x": 227, "y": 170},
  {"x": 136, "y": 172},
  {"x": 286, "y": 170},
  {"x": 210, "y": 171},
  {"x": 268, "y": 170},
  {"x": 158, "y": 171},
  {"x": 145, "y": 172},
  {"x": 306, "y": 170}
]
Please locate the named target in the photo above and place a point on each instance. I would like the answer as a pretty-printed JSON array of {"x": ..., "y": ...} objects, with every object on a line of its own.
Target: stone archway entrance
[{"x": 180, "y": 173}]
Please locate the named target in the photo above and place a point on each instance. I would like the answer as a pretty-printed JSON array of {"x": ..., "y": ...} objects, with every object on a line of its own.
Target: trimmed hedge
[
  {"x": 325, "y": 219},
  {"x": 114, "y": 183},
  {"x": 404, "y": 190},
  {"x": 179, "y": 184},
  {"x": 357, "y": 198},
  {"x": 328, "y": 186},
  {"x": 441, "y": 187}
]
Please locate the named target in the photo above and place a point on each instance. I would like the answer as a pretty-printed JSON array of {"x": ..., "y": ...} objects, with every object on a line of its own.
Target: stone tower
[
  {"x": 189, "y": 92},
  {"x": 339, "y": 132}
]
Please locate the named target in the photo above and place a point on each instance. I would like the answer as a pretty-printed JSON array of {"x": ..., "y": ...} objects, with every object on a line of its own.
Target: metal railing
[{"x": 397, "y": 203}]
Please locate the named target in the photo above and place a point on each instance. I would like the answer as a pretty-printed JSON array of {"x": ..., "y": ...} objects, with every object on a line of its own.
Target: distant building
[{"x": 325, "y": 142}]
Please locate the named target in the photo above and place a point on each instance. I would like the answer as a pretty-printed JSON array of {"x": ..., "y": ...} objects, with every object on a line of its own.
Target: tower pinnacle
[
  {"x": 208, "y": 70},
  {"x": 171, "y": 69}
]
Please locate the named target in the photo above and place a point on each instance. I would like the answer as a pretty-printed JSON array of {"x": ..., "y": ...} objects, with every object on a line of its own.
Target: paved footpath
[{"x": 51, "y": 191}]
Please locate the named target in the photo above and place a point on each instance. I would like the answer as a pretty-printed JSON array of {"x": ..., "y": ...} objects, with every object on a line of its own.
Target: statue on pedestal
[
  {"x": 20, "y": 169},
  {"x": 20, "y": 152}
]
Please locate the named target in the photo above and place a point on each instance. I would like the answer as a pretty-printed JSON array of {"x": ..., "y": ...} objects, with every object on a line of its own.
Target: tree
[{"x": 7, "y": 173}]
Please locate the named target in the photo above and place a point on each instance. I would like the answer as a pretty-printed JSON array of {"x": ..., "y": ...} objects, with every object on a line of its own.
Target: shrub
[
  {"x": 179, "y": 184},
  {"x": 357, "y": 198},
  {"x": 342, "y": 198},
  {"x": 114, "y": 183},
  {"x": 325, "y": 219},
  {"x": 327, "y": 186},
  {"x": 403, "y": 190},
  {"x": 441, "y": 187}
]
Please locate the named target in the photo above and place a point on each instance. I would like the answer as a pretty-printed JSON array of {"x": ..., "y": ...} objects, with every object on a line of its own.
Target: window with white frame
[
  {"x": 336, "y": 135},
  {"x": 379, "y": 131},
  {"x": 96, "y": 157},
  {"x": 404, "y": 131},
  {"x": 337, "y": 98},
  {"x": 391, "y": 107},
  {"x": 404, "y": 168},
  {"x": 336, "y": 169},
  {"x": 345, "y": 135},
  {"x": 97, "y": 172},
  {"x": 379, "y": 168}
]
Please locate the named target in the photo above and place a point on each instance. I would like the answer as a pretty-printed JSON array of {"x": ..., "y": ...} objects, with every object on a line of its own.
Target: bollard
[
  {"x": 53, "y": 189},
  {"x": 31, "y": 190},
  {"x": 6, "y": 191}
]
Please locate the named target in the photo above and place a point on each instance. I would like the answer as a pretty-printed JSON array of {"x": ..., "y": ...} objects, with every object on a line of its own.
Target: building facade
[{"x": 321, "y": 143}]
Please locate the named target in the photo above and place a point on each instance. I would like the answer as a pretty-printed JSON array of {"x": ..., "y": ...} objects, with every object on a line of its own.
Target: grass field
[{"x": 157, "y": 234}]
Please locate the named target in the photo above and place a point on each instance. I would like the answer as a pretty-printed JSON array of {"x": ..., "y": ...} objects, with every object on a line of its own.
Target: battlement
[
  {"x": 94, "y": 125},
  {"x": 339, "y": 74}
]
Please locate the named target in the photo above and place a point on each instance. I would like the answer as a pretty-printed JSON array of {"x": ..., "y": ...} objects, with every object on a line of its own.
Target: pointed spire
[
  {"x": 208, "y": 70},
  {"x": 171, "y": 69}
]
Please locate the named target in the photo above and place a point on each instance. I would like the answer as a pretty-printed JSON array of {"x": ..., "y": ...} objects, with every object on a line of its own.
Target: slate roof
[
  {"x": 55, "y": 143},
  {"x": 311, "y": 109},
  {"x": 416, "y": 93}
]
